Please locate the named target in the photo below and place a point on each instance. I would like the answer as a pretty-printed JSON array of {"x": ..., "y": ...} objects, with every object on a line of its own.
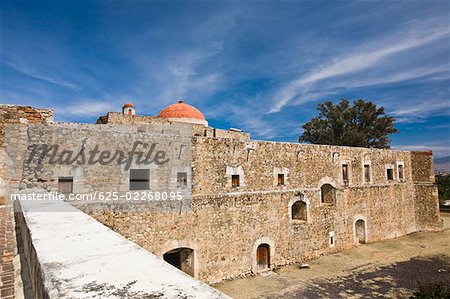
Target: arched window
[
  {"x": 328, "y": 194},
  {"x": 299, "y": 211}
]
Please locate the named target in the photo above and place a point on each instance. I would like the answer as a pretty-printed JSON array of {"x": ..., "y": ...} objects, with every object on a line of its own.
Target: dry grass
[{"x": 392, "y": 268}]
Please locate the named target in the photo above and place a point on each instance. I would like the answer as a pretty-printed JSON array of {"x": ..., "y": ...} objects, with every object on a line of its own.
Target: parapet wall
[
  {"x": 303, "y": 165},
  {"x": 15, "y": 114},
  {"x": 220, "y": 133},
  {"x": 120, "y": 118},
  {"x": 197, "y": 129},
  {"x": 71, "y": 255}
]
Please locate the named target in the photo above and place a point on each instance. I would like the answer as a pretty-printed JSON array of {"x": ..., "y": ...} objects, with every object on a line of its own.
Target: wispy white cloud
[
  {"x": 432, "y": 72},
  {"x": 357, "y": 61},
  {"x": 416, "y": 111},
  {"x": 186, "y": 77},
  {"x": 236, "y": 62},
  {"x": 31, "y": 72},
  {"x": 445, "y": 126},
  {"x": 183, "y": 69},
  {"x": 86, "y": 108}
]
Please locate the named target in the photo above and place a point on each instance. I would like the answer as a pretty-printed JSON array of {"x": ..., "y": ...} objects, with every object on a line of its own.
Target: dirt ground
[{"x": 392, "y": 268}]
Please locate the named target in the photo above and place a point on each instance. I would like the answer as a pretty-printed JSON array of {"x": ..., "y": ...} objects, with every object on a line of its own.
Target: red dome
[
  {"x": 127, "y": 105},
  {"x": 181, "y": 110}
]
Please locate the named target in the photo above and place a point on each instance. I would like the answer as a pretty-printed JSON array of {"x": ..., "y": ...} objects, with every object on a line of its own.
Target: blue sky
[{"x": 258, "y": 66}]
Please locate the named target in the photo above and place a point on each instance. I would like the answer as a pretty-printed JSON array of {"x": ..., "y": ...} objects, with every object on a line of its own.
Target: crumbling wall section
[{"x": 15, "y": 114}]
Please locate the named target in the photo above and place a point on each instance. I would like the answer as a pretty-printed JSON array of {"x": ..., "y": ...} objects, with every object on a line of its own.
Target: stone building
[{"x": 246, "y": 205}]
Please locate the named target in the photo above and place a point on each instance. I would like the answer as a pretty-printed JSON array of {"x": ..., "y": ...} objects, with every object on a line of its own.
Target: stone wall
[
  {"x": 14, "y": 114},
  {"x": 226, "y": 223},
  {"x": 197, "y": 129},
  {"x": 223, "y": 230},
  {"x": 423, "y": 166},
  {"x": 24, "y": 145},
  {"x": 219, "y": 133},
  {"x": 425, "y": 191},
  {"x": 307, "y": 165},
  {"x": 70, "y": 255},
  {"x": 120, "y": 118}
]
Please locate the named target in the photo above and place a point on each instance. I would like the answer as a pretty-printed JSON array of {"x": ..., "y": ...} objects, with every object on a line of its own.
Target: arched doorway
[
  {"x": 263, "y": 256},
  {"x": 181, "y": 258},
  {"x": 360, "y": 231}
]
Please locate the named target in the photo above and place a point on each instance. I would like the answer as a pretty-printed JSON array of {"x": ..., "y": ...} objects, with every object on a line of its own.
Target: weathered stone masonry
[
  {"x": 243, "y": 192},
  {"x": 226, "y": 223}
]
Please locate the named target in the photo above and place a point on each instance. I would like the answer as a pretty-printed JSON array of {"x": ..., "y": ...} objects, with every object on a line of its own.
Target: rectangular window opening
[
  {"x": 345, "y": 173},
  {"x": 367, "y": 173},
  {"x": 331, "y": 240},
  {"x": 390, "y": 174},
  {"x": 139, "y": 179},
  {"x": 235, "y": 180},
  {"x": 65, "y": 184},
  {"x": 400, "y": 173},
  {"x": 280, "y": 179},
  {"x": 181, "y": 179}
]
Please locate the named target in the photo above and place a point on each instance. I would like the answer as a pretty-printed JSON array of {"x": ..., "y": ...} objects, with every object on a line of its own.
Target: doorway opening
[
  {"x": 360, "y": 231},
  {"x": 181, "y": 258},
  {"x": 263, "y": 256}
]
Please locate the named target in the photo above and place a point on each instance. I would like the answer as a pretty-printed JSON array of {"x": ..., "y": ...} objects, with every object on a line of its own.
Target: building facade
[{"x": 247, "y": 206}]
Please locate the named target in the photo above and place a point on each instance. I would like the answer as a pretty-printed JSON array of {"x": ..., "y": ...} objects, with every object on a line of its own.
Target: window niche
[
  {"x": 300, "y": 155},
  {"x": 299, "y": 211},
  {"x": 299, "y": 208},
  {"x": 181, "y": 180},
  {"x": 328, "y": 194},
  {"x": 280, "y": 176},
  {"x": 235, "y": 177},
  {"x": 65, "y": 184},
  {"x": 367, "y": 173},
  {"x": 389, "y": 168},
  {"x": 345, "y": 173},
  {"x": 400, "y": 171},
  {"x": 367, "y": 177},
  {"x": 235, "y": 181},
  {"x": 139, "y": 179},
  {"x": 331, "y": 239}
]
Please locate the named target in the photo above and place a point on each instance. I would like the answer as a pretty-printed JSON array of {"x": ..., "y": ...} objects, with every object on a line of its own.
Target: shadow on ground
[{"x": 397, "y": 280}]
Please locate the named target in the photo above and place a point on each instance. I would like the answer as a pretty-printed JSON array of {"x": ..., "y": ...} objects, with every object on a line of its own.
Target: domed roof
[
  {"x": 183, "y": 112},
  {"x": 128, "y": 105}
]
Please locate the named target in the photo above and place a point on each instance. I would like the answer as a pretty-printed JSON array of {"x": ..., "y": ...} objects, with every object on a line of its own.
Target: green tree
[
  {"x": 363, "y": 124},
  {"x": 443, "y": 184}
]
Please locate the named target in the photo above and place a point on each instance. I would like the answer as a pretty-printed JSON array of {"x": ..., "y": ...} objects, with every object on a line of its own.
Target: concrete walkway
[{"x": 388, "y": 269}]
